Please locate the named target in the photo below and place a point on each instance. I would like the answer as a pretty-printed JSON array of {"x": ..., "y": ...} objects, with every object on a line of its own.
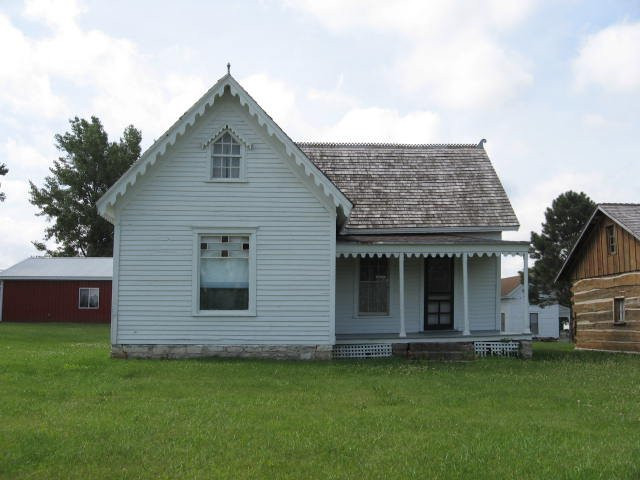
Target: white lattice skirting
[
  {"x": 498, "y": 349},
  {"x": 363, "y": 350}
]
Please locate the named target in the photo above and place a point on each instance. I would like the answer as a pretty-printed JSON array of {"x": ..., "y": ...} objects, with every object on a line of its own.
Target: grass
[{"x": 69, "y": 411}]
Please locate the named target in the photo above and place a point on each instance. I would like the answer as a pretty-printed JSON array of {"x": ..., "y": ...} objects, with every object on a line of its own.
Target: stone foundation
[
  {"x": 442, "y": 351},
  {"x": 449, "y": 351},
  {"x": 278, "y": 352}
]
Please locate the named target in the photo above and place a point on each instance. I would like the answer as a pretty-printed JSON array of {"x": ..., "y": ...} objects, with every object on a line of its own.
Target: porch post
[
  {"x": 403, "y": 331},
  {"x": 498, "y": 292},
  {"x": 525, "y": 292},
  {"x": 465, "y": 294}
]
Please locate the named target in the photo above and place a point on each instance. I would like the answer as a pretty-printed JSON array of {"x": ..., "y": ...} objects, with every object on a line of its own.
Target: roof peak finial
[
  {"x": 228, "y": 68},
  {"x": 482, "y": 142}
]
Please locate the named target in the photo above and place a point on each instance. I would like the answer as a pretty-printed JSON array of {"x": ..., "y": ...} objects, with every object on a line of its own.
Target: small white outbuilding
[{"x": 544, "y": 321}]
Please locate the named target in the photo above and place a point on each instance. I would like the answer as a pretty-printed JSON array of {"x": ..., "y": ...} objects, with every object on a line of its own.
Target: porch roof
[
  {"x": 426, "y": 245},
  {"x": 428, "y": 187}
]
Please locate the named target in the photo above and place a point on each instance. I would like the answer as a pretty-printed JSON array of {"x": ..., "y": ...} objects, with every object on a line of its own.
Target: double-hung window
[
  {"x": 226, "y": 158},
  {"x": 88, "y": 298},
  {"x": 373, "y": 288},
  {"x": 225, "y": 273}
]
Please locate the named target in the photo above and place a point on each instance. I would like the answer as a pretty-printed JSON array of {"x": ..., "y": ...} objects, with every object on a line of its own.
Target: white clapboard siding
[
  {"x": 482, "y": 297},
  {"x": 482, "y": 293},
  {"x": 293, "y": 244}
]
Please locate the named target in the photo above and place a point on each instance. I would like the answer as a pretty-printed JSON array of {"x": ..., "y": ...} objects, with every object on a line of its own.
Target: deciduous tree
[{"x": 90, "y": 164}]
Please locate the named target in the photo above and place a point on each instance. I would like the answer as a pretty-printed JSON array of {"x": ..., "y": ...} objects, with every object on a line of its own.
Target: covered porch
[{"x": 423, "y": 289}]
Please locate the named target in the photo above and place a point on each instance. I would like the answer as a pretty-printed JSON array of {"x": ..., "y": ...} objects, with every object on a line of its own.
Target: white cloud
[
  {"x": 383, "y": 125},
  {"x": 335, "y": 97},
  {"x": 356, "y": 124},
  {"x": 415, "y": 17},
  {"x": 485, "y": 74},
  {"x": 21, "y": 156},
  {"x": 61, "y": 71},
  {"x": 276, "y": 97},
  {"x": 456, "y": 56},
  {"x": 58, "y": 14},
  {"x": 600, "y": 122},
  {"x": 610, "y": 59},
  {"x": 18, "y": 225},
  {"x": 25, "y": 85},
  {"x": 123, "y": 86}
]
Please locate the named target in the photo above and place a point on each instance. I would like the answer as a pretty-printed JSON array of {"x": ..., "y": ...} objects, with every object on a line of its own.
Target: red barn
[{"x": 57, "y": 289}]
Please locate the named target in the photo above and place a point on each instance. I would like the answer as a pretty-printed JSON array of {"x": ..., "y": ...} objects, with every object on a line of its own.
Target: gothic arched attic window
[{"x": 226, "y": 158}]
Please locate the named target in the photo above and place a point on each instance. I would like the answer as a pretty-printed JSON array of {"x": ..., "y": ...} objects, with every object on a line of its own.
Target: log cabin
[{"x": 604, "y": 269}]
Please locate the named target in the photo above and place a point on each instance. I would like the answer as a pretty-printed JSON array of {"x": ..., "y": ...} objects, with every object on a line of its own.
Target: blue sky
[{"x": 554, "y": 86}]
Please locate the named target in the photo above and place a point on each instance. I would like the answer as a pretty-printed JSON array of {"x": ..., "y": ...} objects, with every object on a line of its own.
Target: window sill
[
  {"x": 226, "y": 180},
  {"x": 224, "y": 313},
  {"x": 372, "y": 315},
  {"x": 619, "y": 324}
]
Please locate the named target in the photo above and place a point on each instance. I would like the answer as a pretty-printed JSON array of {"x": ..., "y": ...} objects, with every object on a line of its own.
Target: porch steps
[{"x": 445, "y": 351}]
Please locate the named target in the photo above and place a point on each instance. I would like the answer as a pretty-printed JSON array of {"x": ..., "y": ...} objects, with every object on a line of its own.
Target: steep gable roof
[
  {"x": 419, "y": 188},
  {"x": 108, "y": 201},
  {"x": 627, "y": 215}
]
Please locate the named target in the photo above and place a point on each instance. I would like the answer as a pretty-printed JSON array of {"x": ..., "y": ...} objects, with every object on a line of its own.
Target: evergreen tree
[
  {"x": 564, "y": 222},
  {"x": 89, "y": 166}
]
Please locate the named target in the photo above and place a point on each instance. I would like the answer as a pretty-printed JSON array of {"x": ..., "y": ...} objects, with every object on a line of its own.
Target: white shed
[{"x": 544, "y": 321}]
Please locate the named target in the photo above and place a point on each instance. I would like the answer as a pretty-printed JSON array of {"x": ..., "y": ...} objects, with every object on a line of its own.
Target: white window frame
[
  {"x": 88, "y": 307},
  {"x": 199, "y": 232},
  {"x": 243, "y": 159},
  {"x": 356, "y": 297}
]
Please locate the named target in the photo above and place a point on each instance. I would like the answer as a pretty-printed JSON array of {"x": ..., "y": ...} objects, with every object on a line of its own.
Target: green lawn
[{"x": 69, "y": 411}]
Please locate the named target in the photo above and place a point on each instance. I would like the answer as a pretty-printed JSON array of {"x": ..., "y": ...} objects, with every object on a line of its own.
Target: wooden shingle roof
[
  {"x": 627, "y": 215},
  {"x": 430, "y": 188}
]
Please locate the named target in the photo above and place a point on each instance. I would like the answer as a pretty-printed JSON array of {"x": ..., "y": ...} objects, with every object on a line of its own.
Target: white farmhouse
[
  {"x": 231, "y": 239},
  {"x": 544, "y": 320}
]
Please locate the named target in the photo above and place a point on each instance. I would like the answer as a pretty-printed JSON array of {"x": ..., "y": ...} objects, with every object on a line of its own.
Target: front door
[{"x": 438, "y": 293}]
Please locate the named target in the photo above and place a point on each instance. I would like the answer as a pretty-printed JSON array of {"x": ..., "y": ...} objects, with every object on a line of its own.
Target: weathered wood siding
[
  {"x": 593, "y": 310},
  {"x": 594, "y": 260},
  {"x": 482, "y": 297},
  {"x": 296, "y": 232}
]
